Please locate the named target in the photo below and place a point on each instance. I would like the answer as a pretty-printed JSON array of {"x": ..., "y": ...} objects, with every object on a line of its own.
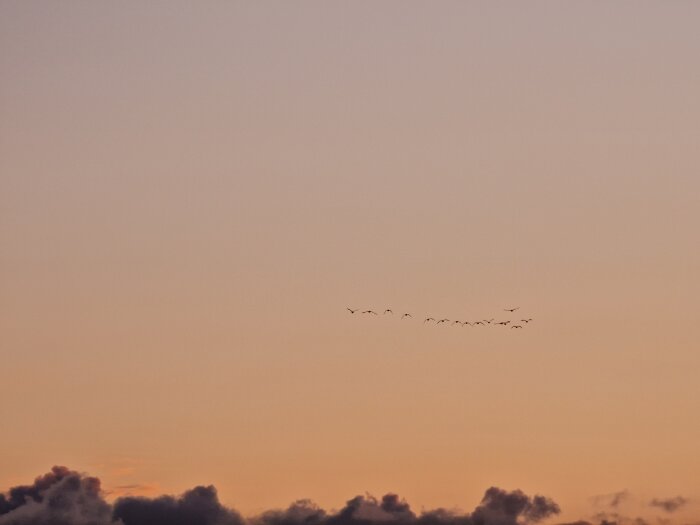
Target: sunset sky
[{"x": 192, "y": 193}]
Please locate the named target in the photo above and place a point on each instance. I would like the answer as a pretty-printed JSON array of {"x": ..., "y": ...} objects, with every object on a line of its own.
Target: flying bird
[{"x": 482, "y": 322}]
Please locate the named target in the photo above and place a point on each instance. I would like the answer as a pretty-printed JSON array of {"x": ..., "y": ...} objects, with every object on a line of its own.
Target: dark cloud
[
  {"x": 199, "y": 506},
  {"x": 359, "y": 510},
  {"x": 66, "y": 497},
  {"x": 367, "y": 509},
  {"x": 498, "y": 507},
  {"x": 669, "y": 504},
  {"x": 61, "y": 497},
  {"x": 301, "y": 512}
]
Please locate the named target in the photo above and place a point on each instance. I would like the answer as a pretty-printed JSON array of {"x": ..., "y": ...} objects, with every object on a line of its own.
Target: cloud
[
  {"x": 199, "y": 506},
  {"x": 61, "y": 497},
  {"x": 66, "y": 497},
  {"x": 498, "y": 507},
  {"x": 609, "y": 518},
  {"x": 367, "y": 509},
  {"x": 301, "y": 512},
  {"x": 612, "y": 500},
  {"x": 669, "y": 504}
]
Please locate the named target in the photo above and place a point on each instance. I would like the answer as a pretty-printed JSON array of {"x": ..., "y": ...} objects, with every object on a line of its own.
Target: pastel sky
[{"x": 192, "y": 193}]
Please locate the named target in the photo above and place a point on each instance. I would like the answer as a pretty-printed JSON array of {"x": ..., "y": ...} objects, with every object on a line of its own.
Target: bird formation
[{"x": 482, "y": 322}]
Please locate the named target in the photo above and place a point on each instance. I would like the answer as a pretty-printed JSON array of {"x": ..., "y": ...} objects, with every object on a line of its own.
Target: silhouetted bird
[
  {"x": 456, "y": 322},
  {"x": 406, "y": 315},
  {"x": 369, "y": 312},
  {"x": 479, "y": 322},
  {"x": 442, "y": 321},
  {"x": 504, "y": 322},
  {"x": 511, "y": 310},
  {"x": 526, "y": 320},
  {"x": 516, "y": 326},
  {"x": 428, "y": 319},
  {"x": 351, "y": 310},
  {"x": 388, "y": 311}
]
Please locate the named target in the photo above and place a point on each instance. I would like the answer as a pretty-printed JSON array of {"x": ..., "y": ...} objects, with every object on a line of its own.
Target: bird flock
[{"x": 513, "y": 324}]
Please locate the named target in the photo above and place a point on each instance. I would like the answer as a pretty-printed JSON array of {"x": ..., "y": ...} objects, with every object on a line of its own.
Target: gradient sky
[{"x": 192, "y": 193}]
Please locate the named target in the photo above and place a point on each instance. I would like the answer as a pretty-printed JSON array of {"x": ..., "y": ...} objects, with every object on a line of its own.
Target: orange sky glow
[{"x": 192, "y": 194}]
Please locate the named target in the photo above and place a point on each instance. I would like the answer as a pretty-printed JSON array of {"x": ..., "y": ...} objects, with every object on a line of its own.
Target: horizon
[{"x": 65, "y": 496}]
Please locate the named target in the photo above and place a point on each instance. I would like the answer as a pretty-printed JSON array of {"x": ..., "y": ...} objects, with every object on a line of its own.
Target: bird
[{"x": 482, "y": 322}]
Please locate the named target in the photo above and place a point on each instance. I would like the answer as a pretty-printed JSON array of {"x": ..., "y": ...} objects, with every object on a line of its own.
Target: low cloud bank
[
  {"x": 497, "y": 507},
  {"x": 67, "y": 497}
]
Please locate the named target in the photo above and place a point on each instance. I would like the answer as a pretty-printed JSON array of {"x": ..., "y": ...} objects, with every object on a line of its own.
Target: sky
[{"x": 192, "y": 194}]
